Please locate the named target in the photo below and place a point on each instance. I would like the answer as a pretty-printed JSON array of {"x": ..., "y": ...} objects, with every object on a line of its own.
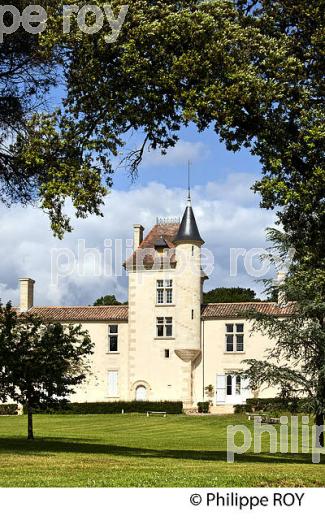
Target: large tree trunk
[
  {"x": 320, "y": 422},
  {"x": 30, "y": 422}
]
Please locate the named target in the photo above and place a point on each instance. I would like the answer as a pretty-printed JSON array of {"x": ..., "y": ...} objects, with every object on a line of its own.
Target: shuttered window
[{"x": 112, "y": 383}]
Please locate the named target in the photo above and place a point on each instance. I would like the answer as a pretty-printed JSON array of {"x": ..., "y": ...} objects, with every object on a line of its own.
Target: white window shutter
[
  {"x": 112, "y": 383},
  {"x": 221, "y": 388}
]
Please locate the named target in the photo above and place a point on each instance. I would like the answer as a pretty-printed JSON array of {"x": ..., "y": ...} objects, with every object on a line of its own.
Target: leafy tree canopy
[
  {"x": 26, "y": 76},
  {"x": 296, "y": 361},
  {"x": 109, "y": 299},
  {"x": 229, "y": 295},
  {"x": 40, "y": 362},
  {"x": 251, "y": 70}
]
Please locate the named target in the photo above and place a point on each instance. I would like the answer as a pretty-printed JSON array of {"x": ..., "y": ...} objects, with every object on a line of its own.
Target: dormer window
[
  {"x": 164, "y": 292},
  {"x": 161, "y": 245}
]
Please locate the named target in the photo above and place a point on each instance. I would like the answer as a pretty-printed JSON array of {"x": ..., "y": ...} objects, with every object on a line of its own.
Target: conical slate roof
[{"x": 188, "y": 230}]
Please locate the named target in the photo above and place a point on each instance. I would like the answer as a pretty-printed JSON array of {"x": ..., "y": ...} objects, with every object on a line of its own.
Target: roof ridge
[
  {"x": 78, "y": 306},
  {"x": 241, "y": 303}
]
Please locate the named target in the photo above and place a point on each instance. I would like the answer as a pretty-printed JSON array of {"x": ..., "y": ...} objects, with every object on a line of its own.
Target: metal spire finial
[{"x": 189, "y": 200}]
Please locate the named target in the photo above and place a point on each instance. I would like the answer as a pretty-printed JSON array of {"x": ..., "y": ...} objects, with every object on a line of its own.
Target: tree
[
  {"x": 60, "y": 170},
  {"x": 243, "y": 67},
  {"x": 26, "y": 76},
  {"x": 229, "y": 295},
  {"x": 296, "y": 362},
  {"x": 40, "y": 362},
  {"x": 109, "y": 299}
]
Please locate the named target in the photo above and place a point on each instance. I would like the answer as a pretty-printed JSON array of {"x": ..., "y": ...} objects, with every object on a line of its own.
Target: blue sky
[{"x": 211, "y": 161}]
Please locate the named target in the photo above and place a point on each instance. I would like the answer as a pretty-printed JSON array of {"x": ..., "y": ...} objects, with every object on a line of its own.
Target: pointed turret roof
[{"x": 188, "y": 230}]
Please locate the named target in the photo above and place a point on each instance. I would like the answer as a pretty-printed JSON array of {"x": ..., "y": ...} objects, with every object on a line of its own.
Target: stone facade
[{"x": 166, "y": 345}]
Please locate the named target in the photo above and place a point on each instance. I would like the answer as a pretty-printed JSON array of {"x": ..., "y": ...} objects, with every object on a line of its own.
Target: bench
[
  {"x": 273, "y": 420},
  {"x": 251, "y": 416},
  {"x": 156, "y": 413},
  {"x": 264, "y": 418}
]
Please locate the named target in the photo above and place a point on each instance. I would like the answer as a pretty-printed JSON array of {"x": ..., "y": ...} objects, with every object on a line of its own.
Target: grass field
[{"x": 136, "y": 451}]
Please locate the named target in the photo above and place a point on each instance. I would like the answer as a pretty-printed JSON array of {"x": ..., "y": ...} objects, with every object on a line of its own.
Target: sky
[{"x": 74, "y": 271}]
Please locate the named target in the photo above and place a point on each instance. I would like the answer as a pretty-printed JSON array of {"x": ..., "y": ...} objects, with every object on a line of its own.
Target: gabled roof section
[
  {"x": 188, "y": 230},
  {"x": 239, "y": 310},
  {"x": 117, "y": 313},
  {"x": 165, "y": 232},
  {"x": 161, "y": 235}
]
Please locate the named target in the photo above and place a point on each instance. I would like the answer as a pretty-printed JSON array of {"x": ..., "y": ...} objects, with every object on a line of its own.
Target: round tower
[{"x": 188, "y": 280}]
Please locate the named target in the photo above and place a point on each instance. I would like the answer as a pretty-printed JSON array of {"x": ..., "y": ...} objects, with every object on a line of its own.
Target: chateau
[{"x": 165, "y": 344}]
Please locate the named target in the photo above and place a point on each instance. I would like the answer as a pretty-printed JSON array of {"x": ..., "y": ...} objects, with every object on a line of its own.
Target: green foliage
[
  {"x": 243, "y": 67},
  {"x": 40, "y": 362},
  {"x": 109, "y": 299},
  {"x": 229, "y": 295},
  {"x": 296, "y": 361},
  {"x": 203, "y": 406},
  {"x": 274, "y": 405},
  {"x": 170, "y": 407},
  {"x": 8, "y": 409},
  {"x": 27, "y": 73}
]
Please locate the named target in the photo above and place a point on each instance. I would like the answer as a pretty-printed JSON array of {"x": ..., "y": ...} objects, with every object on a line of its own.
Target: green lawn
[{"x": 136, "y": 451}]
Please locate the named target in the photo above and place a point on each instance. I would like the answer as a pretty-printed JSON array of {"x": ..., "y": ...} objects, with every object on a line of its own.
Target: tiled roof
[
  {"x": 233, "y": 310},
  {"x": 146, "y": 259},
  {"x": 102, "y": 313},
  {"x": 120, "y": 312},
  {"x": 167, "y": 231}
]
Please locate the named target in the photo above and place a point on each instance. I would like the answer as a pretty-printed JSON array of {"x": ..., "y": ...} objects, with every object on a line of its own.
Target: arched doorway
[{"x": 140, "y": 393}]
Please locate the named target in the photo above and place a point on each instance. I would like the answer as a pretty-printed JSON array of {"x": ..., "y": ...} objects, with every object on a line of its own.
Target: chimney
[
  {"x": 281, "y": 294},
  {"x": 26, "y": 294},
  {"x": 137, "y": 235}
]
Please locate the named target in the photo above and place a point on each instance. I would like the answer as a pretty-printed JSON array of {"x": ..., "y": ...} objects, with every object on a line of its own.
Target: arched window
[{"x": 140, "y": 393}]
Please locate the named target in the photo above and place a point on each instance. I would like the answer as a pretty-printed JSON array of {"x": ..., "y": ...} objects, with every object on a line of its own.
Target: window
[
  {"x": 160, "y": 291},
  {"x": 229, "y": 385},
  {"x": 113, "y": 338},
  {"x": 240, "y": 342},
  {"x": 164, "y": 327},
  {"x": 233, "y": 384},
  {"x": 164, "y": 292},
  {"x": 169, "y": 326},
  {"x": 238, "y": 385},
  {"x": 167, "y": 354},
  {"x": 112, "y": 383},
  {"x": 235, "y": 337}
]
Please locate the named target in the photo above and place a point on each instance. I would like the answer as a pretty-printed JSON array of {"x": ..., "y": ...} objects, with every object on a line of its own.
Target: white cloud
[
  {"x": 182, "y": 152},
  {"x": 225, "y": 214}
]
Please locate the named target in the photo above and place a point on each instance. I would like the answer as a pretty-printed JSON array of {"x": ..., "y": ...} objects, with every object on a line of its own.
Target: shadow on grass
[{"x": 49, "y": 445}]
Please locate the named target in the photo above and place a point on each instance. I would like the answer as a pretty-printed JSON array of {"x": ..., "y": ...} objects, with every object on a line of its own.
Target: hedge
[
  {"x": 273, "y": 405},
  {"x": 171, "y": 407},
  {"x": 8, "y": 409},
  {"x": 203, "y": 406}
]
